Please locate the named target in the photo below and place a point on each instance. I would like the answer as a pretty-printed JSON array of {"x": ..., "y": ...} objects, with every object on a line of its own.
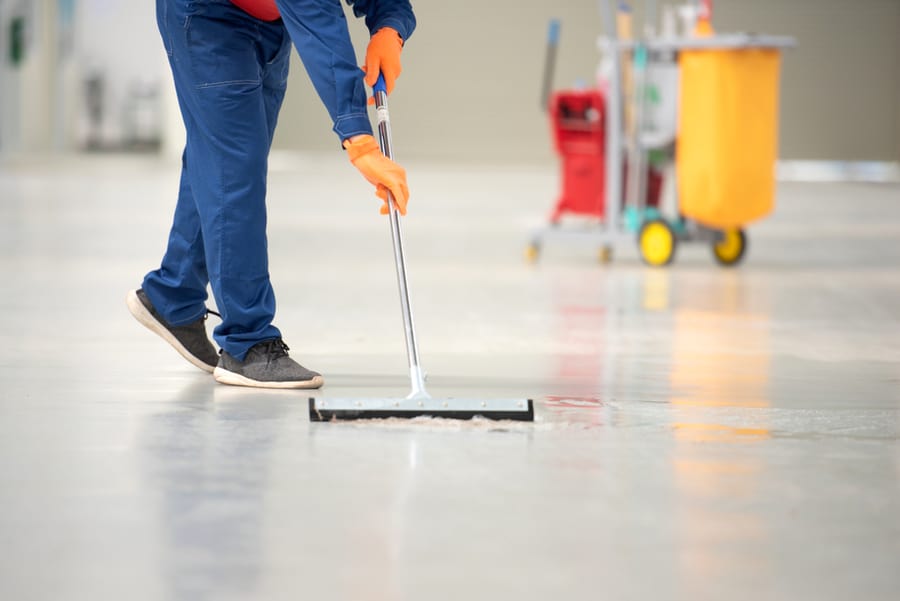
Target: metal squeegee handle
[{"x": 417, "y": 377}]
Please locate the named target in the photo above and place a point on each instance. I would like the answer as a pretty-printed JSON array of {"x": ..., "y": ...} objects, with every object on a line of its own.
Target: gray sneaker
[
  {"x": 191, "y": 341},
  {"x": 266, "y": 365}
]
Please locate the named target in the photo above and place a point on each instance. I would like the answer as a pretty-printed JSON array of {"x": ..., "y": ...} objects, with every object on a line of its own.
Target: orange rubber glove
[
  {"x": 383, "y": 56},
  {"x": 382, "y": 172}
]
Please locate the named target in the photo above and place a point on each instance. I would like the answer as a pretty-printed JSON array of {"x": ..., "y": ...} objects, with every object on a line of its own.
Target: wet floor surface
[{"x": 700, "y": 433}]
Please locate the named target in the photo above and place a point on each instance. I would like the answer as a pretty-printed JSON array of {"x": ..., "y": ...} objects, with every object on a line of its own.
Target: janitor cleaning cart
[{"x": 723, "y": 100}]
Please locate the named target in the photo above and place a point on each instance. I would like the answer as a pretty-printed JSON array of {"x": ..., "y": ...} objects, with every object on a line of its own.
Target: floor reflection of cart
[{"x": 701, "y": 111}]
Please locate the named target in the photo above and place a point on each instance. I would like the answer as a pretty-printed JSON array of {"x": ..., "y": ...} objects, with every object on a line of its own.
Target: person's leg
[
  {"x": 172, "y": 299},
  {"x": 218, "y": 78},
  {"x": 267, "y": 364}
]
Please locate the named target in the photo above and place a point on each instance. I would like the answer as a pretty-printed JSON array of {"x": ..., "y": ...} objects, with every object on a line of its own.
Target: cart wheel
[
  {"x": 730, "y": 249},
  {"x": 657, "y": 242},
  {"x": 532, "y": 252},
  {"x": 605, "y": 254}
]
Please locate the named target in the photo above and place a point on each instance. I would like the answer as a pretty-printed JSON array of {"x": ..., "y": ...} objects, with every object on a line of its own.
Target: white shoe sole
[
  {"x": 144, "y": 316},
  {"x": 224, "y": 376}
]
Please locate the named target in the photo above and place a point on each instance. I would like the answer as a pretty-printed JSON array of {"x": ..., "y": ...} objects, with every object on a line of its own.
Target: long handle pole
[
  {"x": 549, "y": 62},
  {"x": 615, "y": 118},
  {"x": 417, "y": 377}
]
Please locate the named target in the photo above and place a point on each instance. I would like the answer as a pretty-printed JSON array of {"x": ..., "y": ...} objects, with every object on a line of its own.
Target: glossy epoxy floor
[{"x": 701, "y": 433}]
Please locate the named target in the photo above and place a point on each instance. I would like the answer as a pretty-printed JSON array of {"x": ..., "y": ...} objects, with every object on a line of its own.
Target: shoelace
[
  {"x": 208, "y": 311},
  {"x": 274, "y": 349}
]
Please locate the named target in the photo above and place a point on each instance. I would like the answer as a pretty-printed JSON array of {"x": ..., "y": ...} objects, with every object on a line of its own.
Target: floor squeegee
[{"x": 418, "y": 403}]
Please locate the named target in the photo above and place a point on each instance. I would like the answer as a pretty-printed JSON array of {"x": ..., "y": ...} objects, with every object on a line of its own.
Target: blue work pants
[{"x": 230, "y": 73}]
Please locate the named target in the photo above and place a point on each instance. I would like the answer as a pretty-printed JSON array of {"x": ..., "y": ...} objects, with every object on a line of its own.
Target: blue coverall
[{"x": 230, "y": 72}]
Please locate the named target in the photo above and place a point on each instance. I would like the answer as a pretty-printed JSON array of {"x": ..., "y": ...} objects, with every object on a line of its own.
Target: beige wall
[
  {"x": 841, "y": 85},
  {"x": 472, "y": 72}
]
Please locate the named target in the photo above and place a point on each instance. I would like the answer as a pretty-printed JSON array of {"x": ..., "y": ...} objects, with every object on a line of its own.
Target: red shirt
[{"x": 261, "y": 9}]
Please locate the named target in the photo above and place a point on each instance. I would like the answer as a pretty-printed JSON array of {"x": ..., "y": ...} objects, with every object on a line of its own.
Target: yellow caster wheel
[
  {"x": 532, "y": 252},
  {"x": 657, "y": 243},
  {"x": 605, "y": 254},
  {"x": 730, "y": 249}
]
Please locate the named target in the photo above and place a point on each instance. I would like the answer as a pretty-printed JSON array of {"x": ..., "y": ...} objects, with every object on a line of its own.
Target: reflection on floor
[{"x": 701, "y": 433}]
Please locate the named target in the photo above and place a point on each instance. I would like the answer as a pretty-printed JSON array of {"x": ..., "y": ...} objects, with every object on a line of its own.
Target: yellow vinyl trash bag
[{"x": 727, "y": 135}]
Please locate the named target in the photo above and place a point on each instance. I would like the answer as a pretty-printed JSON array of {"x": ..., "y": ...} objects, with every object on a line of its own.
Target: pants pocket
[{"x": 221, "y": 47}]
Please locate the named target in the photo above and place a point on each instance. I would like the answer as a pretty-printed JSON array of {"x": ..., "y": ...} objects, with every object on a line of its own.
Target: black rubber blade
[{"x": 323, "y": 410}]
